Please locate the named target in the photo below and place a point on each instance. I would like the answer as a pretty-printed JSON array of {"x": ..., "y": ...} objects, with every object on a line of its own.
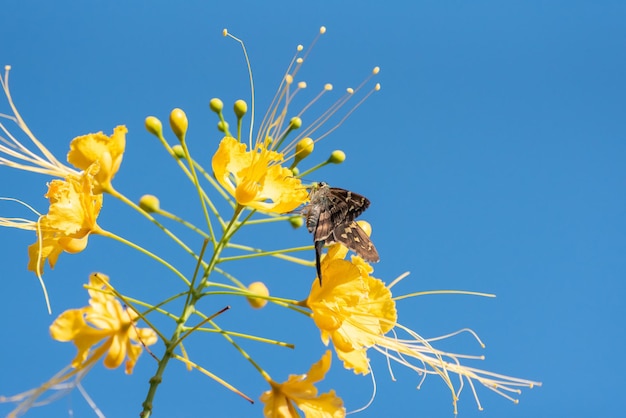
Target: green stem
[
  {"x": 249, "y": 337},
  {"x": 269, "y": 219},
  {"x": 185, "y": 170},
  {"x": 183, "y": 222},
  {"x": 151, "y": 218},
  {"x": 144, "y": 251},
  {"x": 200, "y": 190},
  {"x": 188, "y": 310},
  {"x": 312, "y": 169},
  {"x": 275, "y": 253}
]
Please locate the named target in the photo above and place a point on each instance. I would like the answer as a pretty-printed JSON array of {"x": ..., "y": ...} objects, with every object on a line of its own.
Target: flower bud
[
  {"x": 296, "y": 221},
  {"x": 240, "y": 108},
  {"x": 337, "y": 157},
  {"x": 178, "y": 151},
  {"x": 154, "y": 126},
  {"x": 222, "y": 126},
  {"x": 260, "y": 289},
  {"x": 304, "y": 148},
  {"x": 179, "y": 123},
  {"x": 149, "y": 203},
  {"x": 295, "y": 123},
  {"x": 216, "y": 105},
  {"x": 295, "y": 171},
  {"x": 366, "y": 227}
]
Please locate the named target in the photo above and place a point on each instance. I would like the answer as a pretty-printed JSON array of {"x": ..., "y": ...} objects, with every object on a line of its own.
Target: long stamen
[
  {"x": 347, "y": 115},
  {"x": 13, "y": 148},
  {"x": 350, "y": 93},
  {"x": 282, "y": 91},
  {"x": 245, "y": 53}
]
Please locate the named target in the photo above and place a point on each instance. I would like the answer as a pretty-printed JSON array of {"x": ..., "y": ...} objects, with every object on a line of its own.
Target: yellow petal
[
  {"x": 116, "y": 353},
  {"x": 68, "y": 325},
  {"x": 97, "y": 147}
]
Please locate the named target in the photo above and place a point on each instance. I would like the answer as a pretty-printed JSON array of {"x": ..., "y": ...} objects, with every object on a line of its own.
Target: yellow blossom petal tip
[
  {"x": 260, "y": 289},
  {"x": 179, "y": 123},
  {"x": 149, "y": 203},
  {"x": 97, "y": 148}
]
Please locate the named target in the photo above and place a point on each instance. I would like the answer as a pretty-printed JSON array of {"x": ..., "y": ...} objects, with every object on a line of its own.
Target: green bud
[
  {"x": 222, "y": 126},
  {"x": 296, "y": 221},
  {"x": 154, "y": 126},
  {"x": 149, "y": 203},
  {"x": 240, "y": 108},
  {"x": 337, "y": 157},
  {"x": 216, "y": 105},
  {"x": 295, "y": 122},
  {"x": 304, "y": 148},
  {"x": 179, "y": 151}
]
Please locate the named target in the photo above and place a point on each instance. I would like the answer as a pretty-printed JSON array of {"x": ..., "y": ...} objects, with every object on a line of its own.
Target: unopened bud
[
  {"x": 295, "y": 123},
  {"x": 222, "y": 126},
  {"x": 154, "y": 126},
  {"x": 296, "y": 221},
  {"x": 179, "y": 151},
  {"x": 149, "y": 203},
  {"x": 216, "y": 105},
  {"x": 260, "y": 289},
  {"x": 337, "y": 157},
  {"x": 366, "y": 227},
  {"x": 304, "y": 148},
  {"x": 179, "y": 123},
  {"x": 240, "y": 108}
]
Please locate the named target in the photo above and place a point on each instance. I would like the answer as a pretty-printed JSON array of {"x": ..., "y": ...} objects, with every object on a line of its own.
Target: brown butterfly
[{"x": 330, "y": 215}]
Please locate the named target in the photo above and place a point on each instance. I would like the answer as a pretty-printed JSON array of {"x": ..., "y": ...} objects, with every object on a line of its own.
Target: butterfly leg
[{"x": 319, "y": 245}]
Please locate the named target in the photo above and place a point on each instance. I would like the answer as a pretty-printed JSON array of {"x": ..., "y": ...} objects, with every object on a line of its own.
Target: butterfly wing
[{"x": 353, "y": 237}]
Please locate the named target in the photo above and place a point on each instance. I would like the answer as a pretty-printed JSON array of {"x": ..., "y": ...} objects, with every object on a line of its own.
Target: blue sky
[{"x": 493, "y": 156}]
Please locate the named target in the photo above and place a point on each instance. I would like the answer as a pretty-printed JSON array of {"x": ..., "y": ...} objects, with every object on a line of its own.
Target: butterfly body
[{"x": 330, "y": 216}]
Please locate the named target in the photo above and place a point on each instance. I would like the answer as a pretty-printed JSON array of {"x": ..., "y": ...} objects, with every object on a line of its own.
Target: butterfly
[{"x": 330, "y": 216}]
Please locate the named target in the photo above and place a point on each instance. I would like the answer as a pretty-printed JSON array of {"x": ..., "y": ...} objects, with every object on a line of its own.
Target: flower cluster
[{"x": 250, "y": 181}]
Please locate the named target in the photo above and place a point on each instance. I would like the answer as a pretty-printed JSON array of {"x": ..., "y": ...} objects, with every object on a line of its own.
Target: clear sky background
[{"x": 493, "y": 156}]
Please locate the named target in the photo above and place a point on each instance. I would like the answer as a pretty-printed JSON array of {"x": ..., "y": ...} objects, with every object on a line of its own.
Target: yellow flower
[
  {"x": 103, "y": 321},
  {"x": 107, "y": 151},
  {"x": 355, "y": 311},
  {"x": 71, "y": 218},
  {"x": 253, "y": 169},
  {"x": 352, "y": 308},
  {"x": 299, "y": 390},
  {"x": 256, "y": 178}
]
